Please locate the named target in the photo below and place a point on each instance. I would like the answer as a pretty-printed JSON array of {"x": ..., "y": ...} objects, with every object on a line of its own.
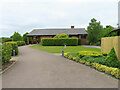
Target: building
[{"x": 50, "y": 33}]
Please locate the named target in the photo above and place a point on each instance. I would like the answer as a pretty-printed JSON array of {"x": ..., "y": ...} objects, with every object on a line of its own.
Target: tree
[
  {"x": 94, "y": 29},
  {"x": 25, "y": 38},
  {"x": 17, "y": 37},
  {"x": 63, "y": 35},
  {"x": 106, "y": 31}
]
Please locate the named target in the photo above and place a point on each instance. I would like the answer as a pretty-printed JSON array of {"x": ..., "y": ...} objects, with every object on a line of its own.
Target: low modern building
[{"x": 50, "y": 33}]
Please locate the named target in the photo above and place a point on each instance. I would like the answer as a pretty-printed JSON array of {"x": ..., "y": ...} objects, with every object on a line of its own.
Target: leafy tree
[
  {"x": 17, "y": 37},
  {"x": 25, "y": 37},
  {"x": 30, "y": 38},
  {"x": 106, "y": 31},
  {"x": 94, "y": 30},
  {"x": 63, "y": 35}
]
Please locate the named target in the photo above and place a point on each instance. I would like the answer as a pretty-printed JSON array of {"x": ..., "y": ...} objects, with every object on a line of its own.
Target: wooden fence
[{"x": 109, "y": 42}]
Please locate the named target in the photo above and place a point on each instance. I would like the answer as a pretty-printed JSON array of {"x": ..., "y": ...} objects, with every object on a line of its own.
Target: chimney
[{"x": 72, "y": 27}]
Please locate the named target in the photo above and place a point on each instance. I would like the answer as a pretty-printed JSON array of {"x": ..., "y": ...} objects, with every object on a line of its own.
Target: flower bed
[{"x": 100, "y": 67}]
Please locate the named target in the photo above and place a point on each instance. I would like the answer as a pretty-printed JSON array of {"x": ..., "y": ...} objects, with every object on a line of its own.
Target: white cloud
[{"x": 24, "y": 15}]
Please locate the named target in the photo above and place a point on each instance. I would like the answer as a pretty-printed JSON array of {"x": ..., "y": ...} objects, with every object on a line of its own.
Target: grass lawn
[{"x": 58, "y": 49}]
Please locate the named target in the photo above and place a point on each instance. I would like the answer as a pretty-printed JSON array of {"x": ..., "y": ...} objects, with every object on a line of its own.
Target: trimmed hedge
[
  {"x": 103, "y": 68},
  {"x": 6, "y": 52},
  {"x": 59, "y": 42},
  {"x": 89, "y": 53},
  {"x": 14, "y": 47},
  {"x": 20, "y": 43}
]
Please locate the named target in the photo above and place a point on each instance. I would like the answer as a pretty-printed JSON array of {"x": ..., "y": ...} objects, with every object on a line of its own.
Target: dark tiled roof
[{"x": 75, "y": 31}]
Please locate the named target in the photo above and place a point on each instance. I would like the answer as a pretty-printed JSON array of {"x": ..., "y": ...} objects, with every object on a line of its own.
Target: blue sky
[{"x": 25, "y": 15}]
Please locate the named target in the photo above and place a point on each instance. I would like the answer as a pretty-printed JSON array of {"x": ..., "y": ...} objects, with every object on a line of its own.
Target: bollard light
[
  {"x": 65, "y": 46},
  {"x": 62, "y": 52},
  {"x": 13, "y": 52}
]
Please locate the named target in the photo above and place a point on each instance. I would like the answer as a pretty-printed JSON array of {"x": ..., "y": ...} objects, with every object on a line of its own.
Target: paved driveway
[{"x": 39, "y": 69}]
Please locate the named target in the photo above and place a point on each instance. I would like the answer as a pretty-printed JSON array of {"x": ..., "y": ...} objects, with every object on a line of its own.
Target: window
[{"x": 83, "y": 36}]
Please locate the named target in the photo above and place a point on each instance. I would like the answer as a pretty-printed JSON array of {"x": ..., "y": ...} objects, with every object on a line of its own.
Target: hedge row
[
  {"x": 6, "y": 52},
  {"x": 20, "y": 43},
  {"x": 14, "y": 47},
  {"x": 109, "y": 70},
  {"x": 59, "y": 42}
]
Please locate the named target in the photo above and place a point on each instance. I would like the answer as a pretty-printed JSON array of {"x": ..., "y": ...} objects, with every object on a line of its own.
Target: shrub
[
  {"x": 87, "y": 43},
  {"x": 70, "y": 57},
  {"x": 59, "y": 42},
  {"x": 104, "y": 54},
  {"x": 74, "y": 58},
  {"x": 87, "y": 63},
  {"x": 63, "y": 35},
  {"x": 5, "y": 39},
  {"x": 65, "y": 55},
  {"x": 89, "y": 53},
  {"x": 82, "y": 61},
  {"x": 6, "y": 52},
  {"x": 108, "y": 70},
  {"x": 20, "y": 43},
  {"x": 97, "y": 44},
  {"x": 100, "y": 60},
  {"x": 14, "y": 47},
  {"x": 112, "y": 60}
]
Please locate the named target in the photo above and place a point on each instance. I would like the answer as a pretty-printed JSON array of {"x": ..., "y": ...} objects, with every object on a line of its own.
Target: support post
[
  {"x": 39, "y": 39},
  {"x": 28, "y": 40},
  {"x": 32, "y": 40},
  {"x": 36, "y": 39}
]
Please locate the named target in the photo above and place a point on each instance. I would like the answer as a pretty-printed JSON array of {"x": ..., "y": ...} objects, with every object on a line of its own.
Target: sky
[{"x": 25, "y": 15}]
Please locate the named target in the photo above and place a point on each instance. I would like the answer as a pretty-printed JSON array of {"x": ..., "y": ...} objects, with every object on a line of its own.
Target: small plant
[
  {"x": 87, "y": 63},
  {"x": 112, "y": 60},
  {"x": 70, "y": 57},
  {"x": 104, "y": 54},
  {"x": 74, "y": 58}
]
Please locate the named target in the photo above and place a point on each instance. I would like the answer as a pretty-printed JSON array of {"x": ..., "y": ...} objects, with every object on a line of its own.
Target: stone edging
[{"x": 8, "y": 67}]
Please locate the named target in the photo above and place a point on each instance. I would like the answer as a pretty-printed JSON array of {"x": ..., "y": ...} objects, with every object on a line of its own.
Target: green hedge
[
  {"x": 6, "y": 52},
  {"x": 5, "y": 39},
  {"x": 59, "y": 42},
  {"x": 14, "y": 47},
  {"x": 20, "y": 43}
]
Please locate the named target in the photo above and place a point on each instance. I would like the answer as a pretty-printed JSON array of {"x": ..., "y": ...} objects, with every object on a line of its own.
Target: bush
[
  {"x": 4, "y": 39},
  {"x": 59, "y": 42},
  {"x": 14, "y": 47},
  {"x": 6, "y": 52},
  {"x": 112, "y": 60},
  {"x": 97, "y": 44},
  {"x": 100, "y": 60},
  {"x": 87, "y": 43},
  {"x": 89, "y": 53},
  {"x": 20, "y": 43},
  {"x": 63, "y": 35}
]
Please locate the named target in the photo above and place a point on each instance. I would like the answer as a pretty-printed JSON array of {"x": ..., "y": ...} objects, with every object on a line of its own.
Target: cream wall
[{"x": 109, "y": 42}]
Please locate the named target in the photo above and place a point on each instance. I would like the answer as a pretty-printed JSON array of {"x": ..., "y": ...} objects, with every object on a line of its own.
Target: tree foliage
[
  {"x": 25, "y": 37},
  {"x": 106, "y": 31},
  {"x": 63, "y": 35},
  {"x": 94, "y": 29},
  {"x": 17, "y": 37}
]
